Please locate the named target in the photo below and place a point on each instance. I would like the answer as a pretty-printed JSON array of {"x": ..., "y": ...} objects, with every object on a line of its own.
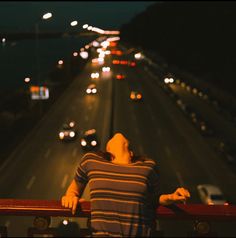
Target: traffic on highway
[{"x": 188, "y": 133}]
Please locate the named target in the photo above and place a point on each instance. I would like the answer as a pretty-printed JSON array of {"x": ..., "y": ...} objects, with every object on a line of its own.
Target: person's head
[{"x": 118, "y": 144}]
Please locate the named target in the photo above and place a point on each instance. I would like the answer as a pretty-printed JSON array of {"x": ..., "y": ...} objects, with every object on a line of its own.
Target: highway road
[{"x": 42, "y": 166}]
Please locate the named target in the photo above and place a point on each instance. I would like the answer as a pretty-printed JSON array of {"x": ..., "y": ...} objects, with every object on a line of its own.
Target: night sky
[{"x": 22, "y": 15}]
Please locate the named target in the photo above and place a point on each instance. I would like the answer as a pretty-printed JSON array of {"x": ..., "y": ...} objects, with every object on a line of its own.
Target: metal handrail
[{"x": 22, "y": 207}]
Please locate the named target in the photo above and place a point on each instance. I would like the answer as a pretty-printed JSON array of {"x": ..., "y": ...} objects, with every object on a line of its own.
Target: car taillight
[
  {"x": 132, "y": 64},
  {"x": 115, "y": 61},
  {"x": 139, "y": 96}
]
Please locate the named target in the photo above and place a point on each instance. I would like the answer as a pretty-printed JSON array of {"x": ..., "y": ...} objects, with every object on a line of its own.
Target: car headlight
[
  {"x": 94, "y": 90},
  {"x": 72, "y": 124},
  {"x": 61, "y": 135},
  {"x": 88, "y": 90},
  {"x": 166, "y": 80},
  {"x": 72, "y": 134},
  {"x": 83, "y": 143},
  {"x": 203, "y": 128},
  {"x": 93, "y": 143}
]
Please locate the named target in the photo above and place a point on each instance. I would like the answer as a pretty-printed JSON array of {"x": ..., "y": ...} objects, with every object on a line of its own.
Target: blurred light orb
[
  {"x": 75, "y": 54},
  {"x": 65, "y": 222},
  {"x": 84, "y": 54},
  {"x": 74, "y": 23},
  {"x": 27, "y": 80}
]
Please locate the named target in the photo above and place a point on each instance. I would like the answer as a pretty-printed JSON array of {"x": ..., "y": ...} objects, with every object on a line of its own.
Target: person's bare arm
[
  {"x": 180, "y": 195},
  {"x": 72, "y": 196}
]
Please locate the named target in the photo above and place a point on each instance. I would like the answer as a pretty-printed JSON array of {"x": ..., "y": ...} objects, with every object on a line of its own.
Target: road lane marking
[
  {"x": 86, "y": 118},
  {"x": 47, "y": 153},
  {"x": 153, "y": 118},
  {"x": 181, "y": 181},
  {"x": 151, "y": 114},
  {"x": 74, "y": 153},
  {"x": 30, "y": 183},
  {"x": 7, "y": 223},
  {"x": 158, "y": 226},
  {"x": 136, "y": 130},
  {"x": 5, "y": 163},
  {"x": 134, "y": 117},
  {"x": 64, "y": 181},
  {"x": 167, "y": 150}
]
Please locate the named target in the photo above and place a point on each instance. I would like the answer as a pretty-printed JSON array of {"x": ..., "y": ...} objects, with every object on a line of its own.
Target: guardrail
[{"x": 43, "y": 210}]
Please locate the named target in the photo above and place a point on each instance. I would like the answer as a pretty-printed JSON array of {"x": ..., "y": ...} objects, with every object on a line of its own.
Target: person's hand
[
  {"x": 71, "y": 202},
  {"x": 180, "y": 195}
]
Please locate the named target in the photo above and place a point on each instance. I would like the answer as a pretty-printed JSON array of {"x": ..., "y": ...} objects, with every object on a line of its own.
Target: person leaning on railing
[{"x": 124, "y": 191}]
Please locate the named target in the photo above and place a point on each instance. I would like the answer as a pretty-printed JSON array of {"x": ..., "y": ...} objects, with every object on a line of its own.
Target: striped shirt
[{"x": 123, "y": 197}]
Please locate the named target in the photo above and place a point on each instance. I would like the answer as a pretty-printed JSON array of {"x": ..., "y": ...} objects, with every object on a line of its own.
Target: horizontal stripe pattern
[
  {"x": 120, "y": 195},
  {"x": 101, "y": 191},
  {"x": 120, "y": 174}
]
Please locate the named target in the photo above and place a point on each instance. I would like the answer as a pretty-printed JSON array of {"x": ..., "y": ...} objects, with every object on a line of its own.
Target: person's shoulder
[
  {"x": 95, "y": 155},
  {"x": 145, "y": 160}
]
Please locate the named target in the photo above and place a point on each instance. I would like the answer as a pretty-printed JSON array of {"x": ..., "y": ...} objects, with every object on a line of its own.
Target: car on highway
[
  {"x": 106, "y": 69},
  {"x": 190, "y": 112},
  {"x": 227, "y": 150},
  {"x": 204, "y": 128},
  {"x": 120, "y": 76},
  {"x": 68, "y": 131},
  {"x": 95, "y": 75},
  {"x": 89, "y": 140},
  {"x": 91, "y": 89},
  {"x": 211, "y": 195},
  {"x": 168, "y": 78},
  {"x": 136, "y": 95}
]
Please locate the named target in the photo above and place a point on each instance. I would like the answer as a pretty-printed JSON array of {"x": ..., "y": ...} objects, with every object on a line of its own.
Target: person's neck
[{"x": 122, "y": 158}]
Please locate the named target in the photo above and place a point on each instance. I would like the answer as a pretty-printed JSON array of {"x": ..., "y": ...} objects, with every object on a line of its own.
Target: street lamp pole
[
  {"x": 69, "y": 42},
  {"x": 38, "y": 70},
  {"x": 37, "y": 52},
  {"x": 36, "y": 28}
]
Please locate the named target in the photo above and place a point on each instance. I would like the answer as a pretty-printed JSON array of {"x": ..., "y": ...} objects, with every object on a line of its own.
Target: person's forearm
[
  {"x": 165, "y": 199},
  {"x": 73, "y": 189}
]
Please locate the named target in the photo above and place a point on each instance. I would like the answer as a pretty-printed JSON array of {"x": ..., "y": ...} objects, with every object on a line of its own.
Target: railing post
[
  {"x": 42, "y": 223},
  {"x": 201, "y": 229},
  {"x": 3, "y": 231}
]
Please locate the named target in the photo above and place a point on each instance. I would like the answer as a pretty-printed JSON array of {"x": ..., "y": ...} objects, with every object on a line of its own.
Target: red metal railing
[{"x": 53, "y": 208}]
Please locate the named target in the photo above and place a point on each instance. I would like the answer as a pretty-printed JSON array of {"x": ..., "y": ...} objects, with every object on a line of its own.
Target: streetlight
[
  {"x": 74, "y": 23},
  {"x": 46, "y": 16},
  {"x": 69, "y": 42}
]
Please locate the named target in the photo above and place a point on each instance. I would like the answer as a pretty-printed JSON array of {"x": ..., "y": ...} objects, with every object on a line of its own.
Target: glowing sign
[{"x": 39, "y": 92}]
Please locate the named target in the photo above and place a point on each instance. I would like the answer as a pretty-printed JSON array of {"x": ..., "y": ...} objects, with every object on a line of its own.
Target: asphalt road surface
[{"x": 42, "y": 166}]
